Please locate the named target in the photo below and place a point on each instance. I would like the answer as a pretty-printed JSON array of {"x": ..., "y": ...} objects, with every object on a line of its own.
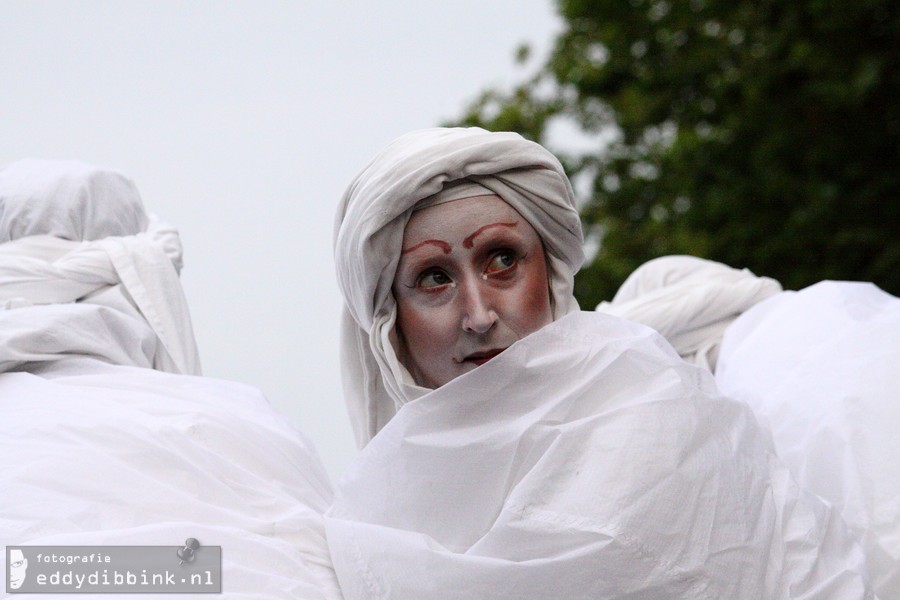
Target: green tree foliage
[{"x": 763, "y": 134}]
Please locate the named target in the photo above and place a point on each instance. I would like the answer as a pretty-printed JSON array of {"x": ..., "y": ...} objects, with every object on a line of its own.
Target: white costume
[
  {"x": 818, "y": 367},
  {"x": 821, "y": 369},
  {"x": 690, "y": 301},
  {"x": 586, "y": 461},
  {"x": 72, "y": 232},
  {"x": 99, "y": 445}
]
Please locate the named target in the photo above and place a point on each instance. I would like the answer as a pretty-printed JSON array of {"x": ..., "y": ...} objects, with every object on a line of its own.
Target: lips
[{"x": 479, "y": 358}]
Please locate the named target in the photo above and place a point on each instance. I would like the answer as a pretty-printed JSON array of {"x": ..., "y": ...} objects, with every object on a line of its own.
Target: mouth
[{"x": 479, "y": 358}]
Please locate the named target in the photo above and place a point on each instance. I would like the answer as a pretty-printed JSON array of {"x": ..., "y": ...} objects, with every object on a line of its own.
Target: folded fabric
[
  {"x": 690, "y": 301},
  {"x": 97, "y": 454},
  {"x": 586, "y": 461},
  {"x": 76, "y": 241},
  {"x": 100, "y": 452},
  {"x": 821, "y": 370}
]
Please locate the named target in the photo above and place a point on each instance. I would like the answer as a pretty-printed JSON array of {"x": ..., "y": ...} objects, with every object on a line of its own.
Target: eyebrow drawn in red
[
  {"x": 468, "y": 243},
  {"x": 442, "y": 245}
]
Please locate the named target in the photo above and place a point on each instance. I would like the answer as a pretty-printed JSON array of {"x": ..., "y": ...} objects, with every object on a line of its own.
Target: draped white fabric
[
  {"x": 690, "y": 301},
  {"x": 586, "y": 461},
  {"x": 821, "y": 369},
  {"x": 85, "y": 272},
  {"x": 369, "y": 233},
  {"x": 97, "y": 451},
  {"x": 99, "y": 454}
]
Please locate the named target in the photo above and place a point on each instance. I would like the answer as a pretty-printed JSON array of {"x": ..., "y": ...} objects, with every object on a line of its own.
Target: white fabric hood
[
  {"x": 85, "y": 272},
  {"x": 369, "y": 233}
]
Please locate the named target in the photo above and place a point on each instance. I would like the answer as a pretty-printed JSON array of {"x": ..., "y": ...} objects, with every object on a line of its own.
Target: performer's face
[{"x": 472, "y": 280}]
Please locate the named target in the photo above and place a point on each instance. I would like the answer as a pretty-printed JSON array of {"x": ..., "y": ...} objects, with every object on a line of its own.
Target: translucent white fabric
[
  {"x": 85, "y": 272},
  {"x": 690, "y": 301},
  {"x": 586, "y": 461},
  {"x": 369, "y": 235},
  {"x": 97, "y": 454},
  {"x": 821, "y": 370}
]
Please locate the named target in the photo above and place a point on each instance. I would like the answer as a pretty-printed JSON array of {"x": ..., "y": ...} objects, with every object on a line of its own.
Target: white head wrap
[
  {"x": 373, "y": 213},
  {"x": 85, "y": 271},
  {"x": 67, "y": 199}
]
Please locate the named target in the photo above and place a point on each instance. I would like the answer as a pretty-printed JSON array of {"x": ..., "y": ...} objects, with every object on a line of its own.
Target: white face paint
[{"x": 472, "y": 280}]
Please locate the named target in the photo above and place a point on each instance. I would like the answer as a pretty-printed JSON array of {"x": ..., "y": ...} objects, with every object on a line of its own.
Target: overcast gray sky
[{"x": 242, "y": 122}]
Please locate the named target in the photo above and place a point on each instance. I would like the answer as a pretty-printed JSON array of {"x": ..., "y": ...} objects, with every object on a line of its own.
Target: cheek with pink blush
[
  {"x": 427, "y": 338},
  {"x": 528, "y": 307}
]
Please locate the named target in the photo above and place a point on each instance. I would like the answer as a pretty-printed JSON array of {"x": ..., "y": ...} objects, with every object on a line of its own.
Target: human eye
[
  {"x": 501, "y": 261},
  {"x": 433, "y": 279}
]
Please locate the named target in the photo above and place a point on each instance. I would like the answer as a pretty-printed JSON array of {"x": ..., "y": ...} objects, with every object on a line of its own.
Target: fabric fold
[
  {"x": 78, "y": 240},
  {"x": 819, "y": 368},
  {"x": 633, "y": 479},
  {"x": 690, "y": 301}
]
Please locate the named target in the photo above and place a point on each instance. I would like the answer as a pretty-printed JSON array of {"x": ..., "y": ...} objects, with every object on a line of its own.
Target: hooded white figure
[
  {"x": 515, "y": 447},
  {"x": 82, "y": 262},
  {"x": 108, "y": 436},
  {"x": 818, "y": 367}
]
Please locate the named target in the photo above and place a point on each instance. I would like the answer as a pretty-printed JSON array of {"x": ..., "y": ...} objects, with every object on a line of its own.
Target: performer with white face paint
[
  {"x": 472, "y": 280},
  {"x": 514, "y": 446},
  {"x": 454, "y": 165}
]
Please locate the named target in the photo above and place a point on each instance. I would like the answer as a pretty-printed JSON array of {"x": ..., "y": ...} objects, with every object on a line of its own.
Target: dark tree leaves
[{"x": 765, "y": 135}]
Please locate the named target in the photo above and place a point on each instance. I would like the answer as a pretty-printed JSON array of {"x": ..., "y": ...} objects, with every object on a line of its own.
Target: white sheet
[
  {"x": 586, "y": 461},
  {"x": 74, "y": 237},
  {"x": 97, "y": 451},
  {"x": 97, "y": 454},
  {"x": 690, "y": 301},
  {"x": 821, "y": 369}
]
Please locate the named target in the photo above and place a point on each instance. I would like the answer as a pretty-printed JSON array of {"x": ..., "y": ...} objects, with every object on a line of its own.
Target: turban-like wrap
[
  {"x": 85, "y": 272},
  {"x": 369, "y": 235}
]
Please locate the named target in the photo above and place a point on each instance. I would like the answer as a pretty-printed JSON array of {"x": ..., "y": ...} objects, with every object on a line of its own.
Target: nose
[{"x": 478, "y": 313}]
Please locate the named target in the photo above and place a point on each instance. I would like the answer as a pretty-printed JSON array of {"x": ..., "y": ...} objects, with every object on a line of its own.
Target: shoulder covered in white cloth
[
  {"x": 97, "y": 454},
  {"x": 586, "y": 461}
]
